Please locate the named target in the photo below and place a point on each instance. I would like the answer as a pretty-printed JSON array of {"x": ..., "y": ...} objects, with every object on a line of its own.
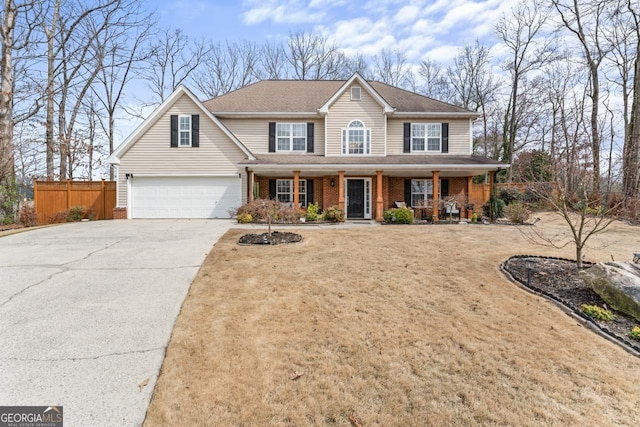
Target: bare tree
[
  {"x": 121, "y": 53},
  {"x": 436, "y": 84},
  {"x": 529, "y": 49},
  {"x": 229, "y": 66},
  {"x": 172, "y": 61},
  {"x": 631, "y": 155},
  {"x": 584, "y": 19},
  {"x": 273, "y": 61},
  {"x": 581, "y": 212},
  {"x": 390, "y": 66},
  {"x": 314, "y": 57},
  {"x": 13, "y": 15}
]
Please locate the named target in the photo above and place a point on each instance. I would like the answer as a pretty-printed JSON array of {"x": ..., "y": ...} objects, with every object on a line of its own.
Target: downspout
[{"x": 249, "y": 189}]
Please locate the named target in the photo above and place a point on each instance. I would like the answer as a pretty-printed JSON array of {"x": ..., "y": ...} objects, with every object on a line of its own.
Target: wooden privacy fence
[
  {"x": 479, "y": 195},
  {"x": 51, "y": 197}
]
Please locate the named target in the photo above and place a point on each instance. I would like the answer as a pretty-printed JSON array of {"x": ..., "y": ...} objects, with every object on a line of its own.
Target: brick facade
[
  {"x": 392, "y": 189},
  {"x": 119, "y": 213}
]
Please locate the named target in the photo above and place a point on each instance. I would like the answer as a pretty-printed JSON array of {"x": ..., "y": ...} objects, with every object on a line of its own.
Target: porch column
[
  {"x": 379, "y": 199},
  {"x": 250, "y": 185},
  {"x": 341, "y": 190},
  {"x": 436, "y": 195},
  {"x": 296, "y": 188},
  {"x": 469, "y": 188}
]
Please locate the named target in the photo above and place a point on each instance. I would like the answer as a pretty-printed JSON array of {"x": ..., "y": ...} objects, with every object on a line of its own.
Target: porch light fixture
[{"x": 332, "y": 182}]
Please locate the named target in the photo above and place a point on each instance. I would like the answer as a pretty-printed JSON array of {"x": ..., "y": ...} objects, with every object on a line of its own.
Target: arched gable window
[{"x": 356, "y": 138}]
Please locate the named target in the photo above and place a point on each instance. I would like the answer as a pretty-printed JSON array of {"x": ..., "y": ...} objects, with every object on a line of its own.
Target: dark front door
[{"x": 355, "y": 195}]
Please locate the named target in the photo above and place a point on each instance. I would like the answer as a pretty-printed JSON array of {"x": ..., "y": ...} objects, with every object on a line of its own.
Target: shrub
[
  {"x": 635, "y": 333},
  {"x": 245, "y": 218},
  {"x": 517, "y": 212},
  {"x": 596, "y": 312},
  {"x": 333, "y": 214},
  {"x": 58, "y": 218},
  {"x": 312, "y": 212},
  {"x": 78, "y": 213},
  {"x": 398, "y": 216},
  {"x": 289, "y": 215},
  {"x": 510, "y": 195},
  {"x": 28, "y": 216},
  {"x": 474, "y": 217},
  {"x": 498, "y": 206}
]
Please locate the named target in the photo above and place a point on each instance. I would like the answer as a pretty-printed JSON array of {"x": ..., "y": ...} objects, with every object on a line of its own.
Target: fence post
[
  {"x": 68, "y": 194},
  {"x": 104, "y": 200}
]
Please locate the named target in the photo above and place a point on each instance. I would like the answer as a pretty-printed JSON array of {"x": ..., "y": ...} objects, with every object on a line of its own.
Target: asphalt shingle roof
[{"x": 307, "y": 96}]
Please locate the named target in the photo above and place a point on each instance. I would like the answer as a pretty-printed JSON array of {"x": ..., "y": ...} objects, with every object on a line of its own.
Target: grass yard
[{"x": 389, "y": 326}]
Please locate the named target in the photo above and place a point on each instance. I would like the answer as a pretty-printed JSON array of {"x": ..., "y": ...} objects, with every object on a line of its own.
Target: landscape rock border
[
  {"x": 276, "y": 238},
  {"x": 579, "y": 316}
]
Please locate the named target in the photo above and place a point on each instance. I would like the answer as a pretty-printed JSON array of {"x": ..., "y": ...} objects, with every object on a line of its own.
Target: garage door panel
[{"x": 185, "y": 197}]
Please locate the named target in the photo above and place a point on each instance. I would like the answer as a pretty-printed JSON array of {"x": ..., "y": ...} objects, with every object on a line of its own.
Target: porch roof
[
  {"x": 395, "y": 165},
  {"x": 403, "y": 161}
]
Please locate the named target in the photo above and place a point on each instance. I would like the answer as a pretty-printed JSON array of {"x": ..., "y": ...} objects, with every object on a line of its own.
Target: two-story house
[{"x": 356, "y": 144}]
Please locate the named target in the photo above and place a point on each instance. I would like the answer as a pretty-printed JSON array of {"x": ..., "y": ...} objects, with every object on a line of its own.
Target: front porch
[{"x": 368, "y": 195}]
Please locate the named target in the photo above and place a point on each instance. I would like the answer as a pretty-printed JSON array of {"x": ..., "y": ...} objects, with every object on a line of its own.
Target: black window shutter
[
  {"x": 195, "y": 130},
  {"x": 407, "y": 137},
  {"x": 445, "y": 137},
  {"x": 407, "y": 192},
  {"x": 272, "y": 137},
  {"x": 309, "y": 191},
  {"x": 272, "y": 189},
  {"x": 444, "y": 188},
  {"x": 309, "y": 137},
  {"x": 174, "y": 130}
]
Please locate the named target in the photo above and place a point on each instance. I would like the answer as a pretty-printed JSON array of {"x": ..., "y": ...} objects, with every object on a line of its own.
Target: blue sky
[{"x": 421, "y": 28}]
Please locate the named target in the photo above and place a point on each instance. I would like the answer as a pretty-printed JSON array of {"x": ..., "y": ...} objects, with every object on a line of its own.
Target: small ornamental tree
[
  {"x": 580, "y": 210},
  {"x": 267, "y": 210}
]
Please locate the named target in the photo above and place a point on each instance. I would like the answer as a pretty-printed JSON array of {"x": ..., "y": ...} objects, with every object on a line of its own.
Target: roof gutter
[
  {"x": 380, "y": 166},
  {"x": 435, "y": 114}
]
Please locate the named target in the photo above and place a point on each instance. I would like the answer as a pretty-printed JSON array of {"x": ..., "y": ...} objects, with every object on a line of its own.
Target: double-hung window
[
  {"x": 426, "y": 136},
  {"x": 421, "y": 190},
  {"x": 284, "y": 191},
  {"x": 184, "y": 131},
  {"x": 356, "y": 138},
  {"x": 291, "y": 137}
]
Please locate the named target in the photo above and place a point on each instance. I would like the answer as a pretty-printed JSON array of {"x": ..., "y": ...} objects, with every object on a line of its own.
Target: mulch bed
[
  {"x": 275, "y": 238},
  {"x": 10, "y": 227},
  {"x": 558, "y": 279}
]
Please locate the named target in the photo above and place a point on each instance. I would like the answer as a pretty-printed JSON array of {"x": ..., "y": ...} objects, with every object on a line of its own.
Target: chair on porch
[{"x": 450, "y": 210}]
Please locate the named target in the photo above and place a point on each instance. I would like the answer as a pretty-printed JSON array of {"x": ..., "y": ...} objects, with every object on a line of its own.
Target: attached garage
[{"x": 184, "y": 197}]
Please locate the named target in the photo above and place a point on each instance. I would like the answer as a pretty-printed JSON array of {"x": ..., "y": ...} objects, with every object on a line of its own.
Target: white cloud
[
  {"x": 442, "y": 54},
  {"x": 287, "y": 12}
]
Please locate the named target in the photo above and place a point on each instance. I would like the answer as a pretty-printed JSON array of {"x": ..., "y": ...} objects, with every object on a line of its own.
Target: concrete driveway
[{"x": 87, "y": 309}]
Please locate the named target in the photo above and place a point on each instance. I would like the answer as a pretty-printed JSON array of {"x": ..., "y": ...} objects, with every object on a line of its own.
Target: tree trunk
[
  {"x": 49, "y": 138},
  {"x": 631, "y": 159},
  {"x": 7, "y": 165}
]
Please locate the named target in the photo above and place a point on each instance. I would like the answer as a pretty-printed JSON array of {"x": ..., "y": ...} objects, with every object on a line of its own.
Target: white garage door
[{"x": 184, "y": 197}]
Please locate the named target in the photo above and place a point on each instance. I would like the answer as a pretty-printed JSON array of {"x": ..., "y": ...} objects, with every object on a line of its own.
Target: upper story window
[
  {"x": 291, "y": 137},
  {"x": 356, "y": 138},
  {"x": 184, "y": 131},
  {"x": 355, "y": 93},
  {"x": 426, "y": 136}
]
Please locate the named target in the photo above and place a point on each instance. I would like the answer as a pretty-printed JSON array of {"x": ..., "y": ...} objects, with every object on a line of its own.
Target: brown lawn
[{"x": 392, "y": 326}]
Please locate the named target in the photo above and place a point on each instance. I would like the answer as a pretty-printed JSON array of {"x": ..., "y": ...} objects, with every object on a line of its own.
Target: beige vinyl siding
[
  {"x": 254, "y": 133},
  {"x": 344, "y": 110},
  {"x": 458, "y": 135},
  {"x": 151, "y": 154}
]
